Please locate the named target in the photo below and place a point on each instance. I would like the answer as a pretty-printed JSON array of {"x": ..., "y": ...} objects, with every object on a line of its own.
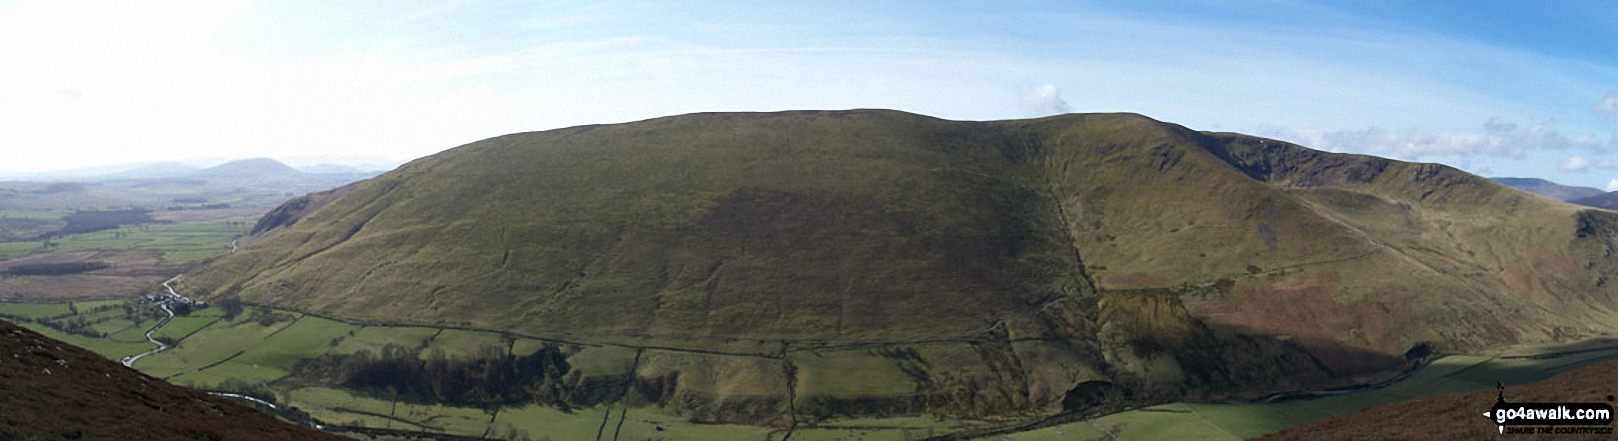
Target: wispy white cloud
[
  {"x": 1575, "y": 164},
  {"x": 1608, "y": 105},
  {"x": 1612, "y": 185},
  {"x": 1045, "y": 100},
  {"x": 1494, "y": 138},
  {"x": 167, "y": 78}
]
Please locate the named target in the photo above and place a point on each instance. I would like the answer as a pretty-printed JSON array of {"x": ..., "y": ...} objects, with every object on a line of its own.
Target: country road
[{"x": 130, "y": 360}]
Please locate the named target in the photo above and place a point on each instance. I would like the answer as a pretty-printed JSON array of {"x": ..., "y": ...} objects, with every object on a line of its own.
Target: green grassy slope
[
  {"x": 877, "y": 224},
  {"x": 1014, "y": 259}
]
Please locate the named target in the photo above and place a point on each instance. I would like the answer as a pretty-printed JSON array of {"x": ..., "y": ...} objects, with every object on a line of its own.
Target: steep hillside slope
[
  {"x": 1051, "y": 253},
  {"x": 52, "y": 390}
]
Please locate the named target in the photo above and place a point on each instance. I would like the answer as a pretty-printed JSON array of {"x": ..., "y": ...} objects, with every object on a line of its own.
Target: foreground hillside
[
  {"x": 52, "y": 390},
  {"x": 1459, "y": 416},
  {"x": 794, "y": 266}
]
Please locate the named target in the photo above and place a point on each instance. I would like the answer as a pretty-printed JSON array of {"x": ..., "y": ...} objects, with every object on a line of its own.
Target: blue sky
[{"x": 1498, "y": 89}]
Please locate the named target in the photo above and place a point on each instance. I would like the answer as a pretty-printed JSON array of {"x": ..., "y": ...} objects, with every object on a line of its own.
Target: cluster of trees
[
  {"x": 232, "y": 307},
  {"x": 89, "y": 221},
  {"x": 267, "y": 317},
  {"x": 491, "y": 376},
  {"x": 212, "y": 206},
  {"x": 61, "y": 187},
  {"x": 75, "y": 325},
  {"x": 140, "y": 312}
]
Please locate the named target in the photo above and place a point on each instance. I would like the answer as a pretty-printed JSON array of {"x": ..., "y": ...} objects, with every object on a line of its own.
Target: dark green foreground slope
[
  {"x": 50, "y": 390},
  {"x": 870, "y": 261}
]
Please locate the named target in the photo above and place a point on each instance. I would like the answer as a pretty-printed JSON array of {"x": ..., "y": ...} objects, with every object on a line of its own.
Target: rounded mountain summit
[{"x": 1020, "y": 258}]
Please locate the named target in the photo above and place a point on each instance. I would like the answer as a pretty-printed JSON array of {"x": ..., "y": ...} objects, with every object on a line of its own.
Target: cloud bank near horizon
[{"x": 400, "y": 80}]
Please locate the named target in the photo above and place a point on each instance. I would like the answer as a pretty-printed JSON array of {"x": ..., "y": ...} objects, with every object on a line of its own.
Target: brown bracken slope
[
  {"x": 1460, "y": 416},
  {"x": 51, "y": 390}
]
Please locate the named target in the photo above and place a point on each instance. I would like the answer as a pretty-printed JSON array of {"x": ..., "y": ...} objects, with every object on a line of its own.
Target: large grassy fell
[{"x": 875, "y": 261}]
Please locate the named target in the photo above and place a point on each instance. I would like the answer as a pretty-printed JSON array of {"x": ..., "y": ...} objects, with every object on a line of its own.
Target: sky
[{"x": 1524, "y": 89}]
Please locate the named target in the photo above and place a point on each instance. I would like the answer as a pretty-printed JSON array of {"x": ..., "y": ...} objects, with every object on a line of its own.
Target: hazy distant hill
[
  {"x": 104, "y": 173},
  {"x": 53, "y": 390},
  {"x": 999, "y": 266},
  {"x": 258, "y": 168},
  {"x": 152, "y": 171},
  {"x": 1549, "y": 189},
  {"x": 330, "y": 169},
  {"x": 1604, "y": 200},
  {"x": 1585, "y": 196},
  {"x": 238, "y": 169},
  {"x": 269, "y": 173}
]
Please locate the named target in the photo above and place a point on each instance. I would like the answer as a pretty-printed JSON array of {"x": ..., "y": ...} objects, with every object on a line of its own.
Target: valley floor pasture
[
  {"x": 122, "y": 262},
  {"x": 277, "y": 355}
]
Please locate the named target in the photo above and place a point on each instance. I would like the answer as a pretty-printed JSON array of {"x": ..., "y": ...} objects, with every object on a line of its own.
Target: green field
[
  {"x": 849, "y": 374},
  {"x": 306, "y": 337},
  {"x": 115, "y": 326},
  {"x": 179, "y": 243},
  {"x": 344, "y": 407},
  {"x": 374, "y": 338},
  {"x": 211, "y": 349},
  {"x": 34, "y": 310},
  {"x": 879, "y": 429},
  {"x": 535, "y": 420},
  {"x": 111, "y": 348},
  {"x": 124, "y": 336},
  {"x": 456, "y": 342},
  {"x": 180, "y": 327},
  {"x": 601, "y": 361}
]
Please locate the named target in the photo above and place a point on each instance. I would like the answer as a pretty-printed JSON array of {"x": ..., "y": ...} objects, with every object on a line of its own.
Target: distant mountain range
[
  {"x": 330, "y": 169},
  {"x": 1605, "y": 200},
  {"x": 244, "y": 168},
  {"x": 258, "y": 183},
  {"x": 1586, "y": 196},
  {"x": 1549, "y": 189}
]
